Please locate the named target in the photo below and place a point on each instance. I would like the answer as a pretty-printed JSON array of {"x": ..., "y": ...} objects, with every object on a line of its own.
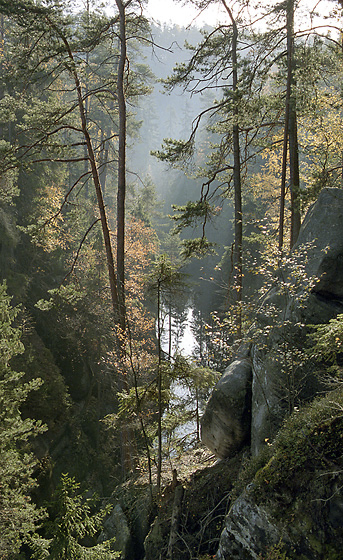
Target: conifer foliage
[
  {"x": 72, "y": 520},
  {"x": 18, "y": 514}
]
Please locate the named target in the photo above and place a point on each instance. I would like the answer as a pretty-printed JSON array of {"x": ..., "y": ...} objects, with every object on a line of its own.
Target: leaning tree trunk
[
  {"x": 117, "y": 301},
  {"x": 95, "y": 176}
]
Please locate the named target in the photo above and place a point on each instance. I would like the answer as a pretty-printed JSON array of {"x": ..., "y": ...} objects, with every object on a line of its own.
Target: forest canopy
[{"x": 148, "y": 173}]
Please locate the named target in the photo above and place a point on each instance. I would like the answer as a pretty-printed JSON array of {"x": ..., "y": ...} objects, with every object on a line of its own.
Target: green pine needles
[
  {"x": 73, "y": 519},
  {"x": 18, "y": 514}
]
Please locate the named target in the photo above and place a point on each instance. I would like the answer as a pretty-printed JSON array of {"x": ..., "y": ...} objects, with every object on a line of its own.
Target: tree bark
[
  {"x": 238, "y": 257},
  {"x": 290, "y": 140},
  {"x": 294, "y": 177},
  {"x": 292, "y": 131},
  {"x": 96, "y": 179},
  {"x": 159, "y": 388},
  {"x": 126, "y": 436},
  {"x": 121, "y": 166},
  {"x": 175, "y": 521},
  {"x": 285, "y": 147}
]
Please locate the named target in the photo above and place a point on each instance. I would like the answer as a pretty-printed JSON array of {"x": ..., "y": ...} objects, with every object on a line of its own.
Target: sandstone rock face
[
  {"x": 252, "y": 531},
  {"x": 116, "y": 525},
  {"x": 323, "y": 230},
  {"x": 281, "y": 377},
  {"x": 248, "y": 529},
  {"x": 293, "y": 504},
  {"x": 154, "y": 541},
  {"x": 225, "y": 426},
  {"x": 273, "y": 373},
  {"x": 323, "y": 225},
  {"x": 130, "y": 520}
]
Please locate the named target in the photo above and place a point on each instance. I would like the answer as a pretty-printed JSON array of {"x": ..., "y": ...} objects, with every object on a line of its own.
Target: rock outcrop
[
  {"x": 293, "y": 505},
  {"x": 262, "y": 386},
  {"x": 323, "y": 230},
  {"x": 247, "y": 527},
  {"x": 226, "y": 422},
  {"x": 130, "y": 520},
  {"x": 116, "y": 525}
]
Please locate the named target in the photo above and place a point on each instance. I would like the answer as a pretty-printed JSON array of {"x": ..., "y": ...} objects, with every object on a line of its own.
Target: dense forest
[{"x": 153, "y": 180}]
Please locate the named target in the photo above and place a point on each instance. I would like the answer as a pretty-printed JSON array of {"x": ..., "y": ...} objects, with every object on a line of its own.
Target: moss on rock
[{"x": 297, "y": 482}]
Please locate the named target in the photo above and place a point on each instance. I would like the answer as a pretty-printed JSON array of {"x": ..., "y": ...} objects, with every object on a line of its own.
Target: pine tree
[
  {"x": 72, "y": 520},
  {"x": 166, "y": 279},
  {"x": 217, "y": 62},
  {"x": 19, "y": 518}
]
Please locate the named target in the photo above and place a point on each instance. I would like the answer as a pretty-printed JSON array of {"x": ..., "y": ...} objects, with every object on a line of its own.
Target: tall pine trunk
[
  {"x": 126, "y": 435},
  {"x": 121, "y": 166},
  {"x": 290, "y": 140},
  {"x": 238, "y": 249},
  {"x": 159, "y": 387},
  {"x": 294, "y": 177}
]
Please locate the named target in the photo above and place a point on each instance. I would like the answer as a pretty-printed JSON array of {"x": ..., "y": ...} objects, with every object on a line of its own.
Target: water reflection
[
  {"x": 180, "y": 333},
  {"x": 178, "y": 338}
]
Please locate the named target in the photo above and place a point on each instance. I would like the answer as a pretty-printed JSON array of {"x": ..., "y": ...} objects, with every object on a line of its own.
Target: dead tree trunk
[{"x": 175, "y": 521}]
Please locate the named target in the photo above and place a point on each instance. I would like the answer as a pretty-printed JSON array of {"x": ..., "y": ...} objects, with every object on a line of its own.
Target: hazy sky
[
  {"x": 166, "y": 11},
  {"x": 170, "y": 11}
]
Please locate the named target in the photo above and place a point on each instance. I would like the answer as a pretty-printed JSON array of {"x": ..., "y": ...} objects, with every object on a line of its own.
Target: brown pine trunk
[
  {"x": 285, "y": 146},
  {"x": 96, "y": 180},
  {"x": 290, "y": 140},
  {"x": 292, "y": 129},
  {"x": 294, "y": 178},
  {"x": 238, "y": 258},
  {"x": 159, "y": 389},
  {"x": 127, "y": 438},
  {"x": 121, "y": 166}
]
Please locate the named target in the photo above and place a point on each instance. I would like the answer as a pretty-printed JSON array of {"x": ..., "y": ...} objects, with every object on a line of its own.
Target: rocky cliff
[
  {"x": 269, "y": 376},
  {"x": 295, "y": 499}
]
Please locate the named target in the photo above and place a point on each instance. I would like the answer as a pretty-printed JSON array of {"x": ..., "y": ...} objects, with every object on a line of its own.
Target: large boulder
[{"x": 225, "y": 425}]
